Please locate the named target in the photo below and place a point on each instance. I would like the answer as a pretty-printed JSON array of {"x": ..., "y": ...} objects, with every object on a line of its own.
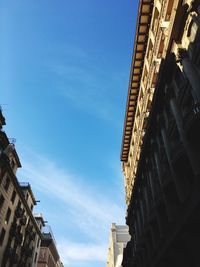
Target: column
[
  {"x": 158, "y": 167},
  {"x": 191, "y": 73},
  {"x": 151, "y": 184},
  {"x": 142, "y": 212},
  {"x": 146, "y": 199},
  {"x": 168, "y": 153},
  {"x": 178, "y": 118},
  {"x": 138, "y": 221}
]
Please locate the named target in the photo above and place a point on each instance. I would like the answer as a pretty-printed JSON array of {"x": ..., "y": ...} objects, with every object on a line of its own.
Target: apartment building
[
  {"x": 48, "y": 256},
  {"x": 118, "y": 239},
  {"x": 20, "y": 233},
  {"x": 160, "y": 148}
]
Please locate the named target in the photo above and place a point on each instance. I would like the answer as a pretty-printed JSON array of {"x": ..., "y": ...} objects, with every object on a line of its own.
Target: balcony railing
[
  {"x": 23, "y": 220},
  {"x": 12, "y": 255},
  {"x": 15, "y": 231},
  {"x": 28, "y": 252},
  {"x": 10, "y": 252},
  {"x": 19, "y": 212},
  {"x": 29, "y": 229}
]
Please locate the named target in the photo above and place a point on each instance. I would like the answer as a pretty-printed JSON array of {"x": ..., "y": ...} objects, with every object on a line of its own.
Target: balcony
[
  {"x": 10, "y": 252},
  {"x": 29, "y": 228},
  {"x": 12, "y": 255},
  {"x": 33, "y": 235},
  {"x": 16, "y": 258},
  {"x": 13, "y": 228},
  {"x": 19, "y": 237},
  {"x": 19, "y": 212},
  {"x": 23, "y": 220},
  {"x": 23, "y": 262},
  {"x": 15, "y": 232},
  {"x": 28, "y": 252},
  {"x": 30, "y": 233}
]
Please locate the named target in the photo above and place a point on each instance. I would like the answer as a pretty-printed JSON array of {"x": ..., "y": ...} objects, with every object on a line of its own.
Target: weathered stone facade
[
  {"x": 160, "y": 152},
  {"x": 20, "y": 233}
]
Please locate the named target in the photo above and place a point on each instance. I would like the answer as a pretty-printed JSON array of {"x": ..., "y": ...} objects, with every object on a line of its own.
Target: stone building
[
  {"x": 48, "y": 256},
  {"x": 41, "y": 223},
  {"x": 118, "y": 239},
  {"x": 161, "y": 148},
  {"x": 20, "y": 233}
]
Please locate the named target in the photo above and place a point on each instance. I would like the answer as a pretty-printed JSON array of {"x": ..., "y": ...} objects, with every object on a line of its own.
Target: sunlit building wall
[{"x": 118, "y": 239}]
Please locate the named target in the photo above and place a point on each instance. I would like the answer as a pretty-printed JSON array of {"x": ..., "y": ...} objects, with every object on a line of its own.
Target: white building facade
[{"x": 119, "y": 236}]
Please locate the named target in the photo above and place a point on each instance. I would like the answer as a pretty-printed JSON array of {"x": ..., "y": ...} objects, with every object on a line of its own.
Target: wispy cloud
[
  {"x": 89, "y": 252},
  {"x": 90, "y": 211},
  {"x": 86, "y": 88},
  {"x": 84, "y": 84}
]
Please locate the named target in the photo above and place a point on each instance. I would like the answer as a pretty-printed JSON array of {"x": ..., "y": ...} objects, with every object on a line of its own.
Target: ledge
[{"x": 141, "y": 38}]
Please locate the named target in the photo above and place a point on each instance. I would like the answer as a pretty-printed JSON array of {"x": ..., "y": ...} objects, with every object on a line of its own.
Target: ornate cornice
[
  {"x": 159, "y": 17},
  {"x": 141, "y": 38}
]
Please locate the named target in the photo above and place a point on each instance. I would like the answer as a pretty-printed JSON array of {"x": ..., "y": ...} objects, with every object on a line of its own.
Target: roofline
[
  {"x": 7, "y": 142},
  {"x": 17, "y": 158},
  {"x": 19, "y": 191},
  {"x": 38, "y": 216},
  {"x": 52, "y": 244},
  {"x": 126, "y": 139},
  {"x": 2, "y": 119},
  {"x": 27, "y": 186}
]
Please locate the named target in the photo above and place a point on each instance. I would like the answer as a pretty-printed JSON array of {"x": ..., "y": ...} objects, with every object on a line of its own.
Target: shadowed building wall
[{"x": 160, "y": 148}]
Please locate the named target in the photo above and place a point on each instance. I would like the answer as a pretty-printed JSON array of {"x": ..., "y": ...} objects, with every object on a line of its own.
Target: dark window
[
  {"x": 1, "y": 201},
  {"x": 2, "y": 235},
  {"x": 35, "y": 257},
  {"x": 31, "y": 206},
  {"x": 13, "y": 196},
  {"x": 7, "y": 183},
  {"x": 8, "y": 215}
]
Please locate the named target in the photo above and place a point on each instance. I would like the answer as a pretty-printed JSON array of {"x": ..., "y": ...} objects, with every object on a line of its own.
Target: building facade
[
  {"x": 160, "y": 148},
  {"x": 118, "y": 239},
  {"x": 20, "y": 233},
  {"x": 41, "y": 223},
  {"x": 48, "y": 256}
]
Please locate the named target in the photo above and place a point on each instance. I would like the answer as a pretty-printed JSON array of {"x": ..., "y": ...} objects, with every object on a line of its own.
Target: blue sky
[{"x": 64, "y": 76}]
